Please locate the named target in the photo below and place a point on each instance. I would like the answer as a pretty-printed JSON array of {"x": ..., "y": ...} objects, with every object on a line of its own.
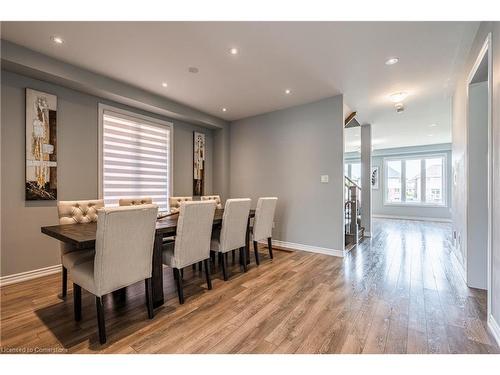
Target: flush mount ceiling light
[
  {"x": 193, "y": 69},
  {"x": 224, "y": 109},
  {"x": 233, "y": 51},
  {"x": 164, "y": 84},
  {"x": 398, "y": 97},
  {"x": 392, "y": 61},
  {"x": 399, "y": 107},
  {"x": 288, "y": 91},
  {"x": 57, "y": 39}
]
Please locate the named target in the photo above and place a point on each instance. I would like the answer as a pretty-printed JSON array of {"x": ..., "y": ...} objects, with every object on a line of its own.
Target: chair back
[
  {"x": 135, "y": 201},
  {"x": 234, "y": 224},
  {"x": 194, "y": 230},
  {"x": 175, "y": 202},
  {"x": 124, "y": 246},
  {"x": 264, "y": 216},
  {"x": 77, "y": 212},
  {"x": 215, "y": 198}
]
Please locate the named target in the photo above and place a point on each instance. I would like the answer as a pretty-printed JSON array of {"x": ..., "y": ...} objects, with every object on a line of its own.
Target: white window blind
[{"x": 135, "y": 159}]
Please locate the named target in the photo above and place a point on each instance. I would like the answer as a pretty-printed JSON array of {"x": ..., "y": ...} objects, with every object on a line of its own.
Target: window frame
[
  {"x": 423, "y": 182},
  {"x": 134, "y": 116}
]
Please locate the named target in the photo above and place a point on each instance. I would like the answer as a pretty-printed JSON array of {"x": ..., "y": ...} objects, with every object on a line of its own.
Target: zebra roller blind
[{"x": 135, "y": 159}]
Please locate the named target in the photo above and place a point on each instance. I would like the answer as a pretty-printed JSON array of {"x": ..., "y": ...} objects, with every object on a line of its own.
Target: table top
[{"x": 83, "y": 236}]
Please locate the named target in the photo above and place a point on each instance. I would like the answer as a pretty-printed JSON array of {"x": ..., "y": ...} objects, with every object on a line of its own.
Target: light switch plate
[{"x": 324, "y": 179}]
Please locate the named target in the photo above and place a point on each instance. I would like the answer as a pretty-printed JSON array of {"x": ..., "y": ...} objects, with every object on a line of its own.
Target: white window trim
[
  {"x": 147, "y": 119},
  {"x": 422, "y": 203}
]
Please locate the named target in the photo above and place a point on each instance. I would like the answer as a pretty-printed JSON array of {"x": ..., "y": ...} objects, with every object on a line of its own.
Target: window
[
  {"x": 135, "y": 157},
  {"x": 415, "y": 181}
]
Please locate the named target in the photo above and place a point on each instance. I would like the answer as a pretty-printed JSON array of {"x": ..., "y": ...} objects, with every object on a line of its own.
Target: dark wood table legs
[{"x": 157, "y": 273}]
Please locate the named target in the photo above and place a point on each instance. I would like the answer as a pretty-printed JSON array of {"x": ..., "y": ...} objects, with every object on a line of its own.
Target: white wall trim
[
  {"x": 28, "y": 275},
  {"x": 308, "y": 248},
  {"x": 418, "y": 218},
  {"x": 494, "y": 327}
]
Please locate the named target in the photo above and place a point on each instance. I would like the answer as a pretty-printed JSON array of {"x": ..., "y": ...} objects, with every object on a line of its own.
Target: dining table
[{"x": 83, "y": 236}]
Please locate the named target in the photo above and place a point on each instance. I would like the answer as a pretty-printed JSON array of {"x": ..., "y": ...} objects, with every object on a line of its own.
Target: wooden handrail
[{"x": 351, "y": 182}]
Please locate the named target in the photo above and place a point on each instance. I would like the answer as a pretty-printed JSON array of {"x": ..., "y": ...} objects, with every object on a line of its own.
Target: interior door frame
[{"x": 485, "y": 49}]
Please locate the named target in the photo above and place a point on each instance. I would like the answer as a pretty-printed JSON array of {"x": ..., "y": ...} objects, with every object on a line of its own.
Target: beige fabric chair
[
  {"x": 263, "y": 224},
  {"x": 233, "y": 231},
  {"x": 215, "y": 198},
  {"x": 175, "y": 202},
  {"x": 135, "y": 201},
  {"x": 192, "y": 241},
  {"x": 75, "y": 212},
  {"x": 124, "y": 256}
]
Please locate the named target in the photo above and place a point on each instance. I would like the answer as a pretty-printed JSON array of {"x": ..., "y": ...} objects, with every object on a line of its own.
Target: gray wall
[
  {"x": 283, "y": 154},
  {"x": 378, "y": 207},
  {"x": 366, "y": 172},
  {"x": 24, "y": 248},
  {"x": 459, "y": 149}
]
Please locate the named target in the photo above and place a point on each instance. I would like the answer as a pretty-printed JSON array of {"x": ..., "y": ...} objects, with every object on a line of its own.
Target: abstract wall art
[
  {"x": 375, "y": 177},
  {"x": 198, "y": 164},
  {"x": 41, "y": 146}
]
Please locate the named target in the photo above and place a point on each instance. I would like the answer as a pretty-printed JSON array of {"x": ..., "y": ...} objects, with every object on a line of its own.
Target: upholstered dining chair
[
  {"x": 175, "y": 202},
  {"x": 215, "y": 198},
  {"x": 75, "y": 212},
  {"x": 263, "y": 224},
  {"x": 192, "y": 241},
  {"x": 233, "y": 231},
  {"x": 135, "y": 201},
  {"x": 123, "y": 256}
]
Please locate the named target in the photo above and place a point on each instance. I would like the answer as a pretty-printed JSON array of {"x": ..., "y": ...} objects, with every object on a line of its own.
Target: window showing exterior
[{"x": 415, "y": 181}]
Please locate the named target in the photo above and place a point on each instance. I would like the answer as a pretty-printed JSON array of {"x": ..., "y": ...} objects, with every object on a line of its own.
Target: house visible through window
[
  {"x": 135, "y": 157},
  {"x": 415, "y": 181}
]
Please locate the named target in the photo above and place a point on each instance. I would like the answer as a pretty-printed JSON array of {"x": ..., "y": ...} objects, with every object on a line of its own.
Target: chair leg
[
  {"x": 243, "y": 255},
  {"x": 100, "y": 320},
  {"x": 206, "y": 263},
  {"x": 149, "y": 297},
  {"x": 178, "y": 279},
  {"x": 200, "y": 264},
  {"x": 182, "y": 272},
  {"x": 77, "y": 302},
  {"x": 193, "y": 267},
  {"x": 256, "y": 252},
  {"x": 270, "y": 246},
  {"x": 233, "y": 256},
  {"x": 224, "y": 266},
  {"x": 64, "y": 291}
]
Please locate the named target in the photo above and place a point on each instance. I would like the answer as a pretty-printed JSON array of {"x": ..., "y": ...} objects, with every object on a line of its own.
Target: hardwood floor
[{"x": 399, "y": 292}]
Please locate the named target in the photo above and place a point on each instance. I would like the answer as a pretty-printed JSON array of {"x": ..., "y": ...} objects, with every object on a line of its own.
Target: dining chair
[
  {"x": 192, "y": 241},
  {"x": 76, "y": 212},
  {"x": 123, "y": 256},
  {"x": 233, "y": 232},
  {"x": 215, "y": 198},
  {"x": 135, "y": 201},
  {"x": 175, "y": 203},
  {"x": 263, "y": 224}
]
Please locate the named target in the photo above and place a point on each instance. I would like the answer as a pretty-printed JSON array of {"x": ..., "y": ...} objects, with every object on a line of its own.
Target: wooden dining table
[{"x": 83, "y": 236}]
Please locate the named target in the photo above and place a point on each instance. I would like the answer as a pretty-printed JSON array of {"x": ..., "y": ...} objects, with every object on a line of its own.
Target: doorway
[{"x": 478, "y": 248}]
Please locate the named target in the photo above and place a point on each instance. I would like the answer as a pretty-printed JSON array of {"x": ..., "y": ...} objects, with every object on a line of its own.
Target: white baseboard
[
  {"x": 418, "y": 218},
  {"x": 308, "y": 248},
  {"x": 28, "y": 275},
  {"x": 495, "y": 328}
]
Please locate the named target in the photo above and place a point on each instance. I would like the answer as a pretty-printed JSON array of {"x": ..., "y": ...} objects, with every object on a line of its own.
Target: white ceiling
[{"x": 313, "y": 59}]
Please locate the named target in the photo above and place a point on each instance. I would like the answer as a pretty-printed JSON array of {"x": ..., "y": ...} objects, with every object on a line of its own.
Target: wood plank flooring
[{"x": 398, "y": 292}]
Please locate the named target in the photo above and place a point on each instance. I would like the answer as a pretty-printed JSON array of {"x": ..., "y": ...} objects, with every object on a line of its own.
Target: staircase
[{"x": 354, "y": 231}]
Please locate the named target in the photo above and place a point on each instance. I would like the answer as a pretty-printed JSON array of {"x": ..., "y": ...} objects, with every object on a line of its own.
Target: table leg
[
  {"x": 157, "y": 273},
  {"x": 247, "y": 242}
]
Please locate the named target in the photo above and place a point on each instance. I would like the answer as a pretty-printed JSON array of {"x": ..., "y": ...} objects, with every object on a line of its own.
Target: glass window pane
[
  {"x": 356, "y": 173},
  {"x": 393, "y": 174},
  {"x": 413, "y": 181},
  {"x": 434, "y": 181}
]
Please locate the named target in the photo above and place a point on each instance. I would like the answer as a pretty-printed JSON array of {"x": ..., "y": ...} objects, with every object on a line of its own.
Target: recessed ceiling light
[
  {"x": 193, "y": 69},
  {"x": 224, "y": 109},
  {"x": 398, "y": 97},
  {"x": 392, "y": 61},
  {"x": 433, "y": 125},
  {"x": 288, "y": 91},
  {"x": 430, "y": 135},
  {"x": 164, "y": 84},
  {"x": 233, "y": 51},
  {"x": 57, "y": 39}
]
